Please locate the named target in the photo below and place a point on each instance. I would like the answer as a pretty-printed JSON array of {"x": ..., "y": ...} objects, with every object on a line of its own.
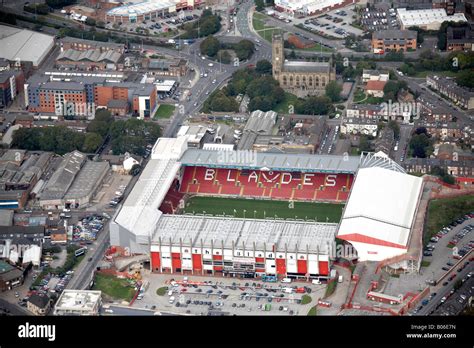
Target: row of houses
[{"x": 461, "y": 96}]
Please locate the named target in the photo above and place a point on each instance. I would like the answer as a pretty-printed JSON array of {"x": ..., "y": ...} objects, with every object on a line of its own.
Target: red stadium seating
[
  {"x": 272, "y": 184},
  {"x": 171, "y": 201}
]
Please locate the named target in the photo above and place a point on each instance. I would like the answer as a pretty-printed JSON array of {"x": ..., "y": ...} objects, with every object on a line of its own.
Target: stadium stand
[{"x": 266, "y": 184}]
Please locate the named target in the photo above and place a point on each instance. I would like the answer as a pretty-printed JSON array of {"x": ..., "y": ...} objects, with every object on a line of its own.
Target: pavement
[
  {"x": 162, "y": 303},
  {"x": 454, "y": 304},
  {"x": 441, "y": 255}
]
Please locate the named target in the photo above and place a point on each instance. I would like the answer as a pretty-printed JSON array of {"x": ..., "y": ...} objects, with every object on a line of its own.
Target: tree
[
  {"x": 210, "y": 46},
  {"x": 421, "y": 145},
  {"x": 392, "y": 88},
  {"x": 364, "y": 143},
  {"x": 135, "y": 170},
  {"x": 395, "y": 127},
  {"x": 101, "y": 123},
  {"x": 90, "y": 21},
  {"x": 313, "y": 105},
  {"x": 443, "y": 175},
  {"x": 465, "y": 78},
  {"x": 333, "y": 91},
  {"x": 244, "y": 49},
  {"x": 264, "y": 67},
  {"x": 259, "y": 5},
  {"x": 224, "y": 56},
  {"x": 92, "y": 142}
]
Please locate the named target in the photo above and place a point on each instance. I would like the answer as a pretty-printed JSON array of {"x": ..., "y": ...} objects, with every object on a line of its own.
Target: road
[
  {"x": 11, "y": 309},
  {"x": 442, "y": 291},
  {"x": 85, "y": 271},
  {"x": 405, "y": 131}
]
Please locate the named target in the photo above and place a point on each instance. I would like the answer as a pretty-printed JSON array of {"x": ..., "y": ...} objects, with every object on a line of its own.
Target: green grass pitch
[{"x": 260, "y": 209}]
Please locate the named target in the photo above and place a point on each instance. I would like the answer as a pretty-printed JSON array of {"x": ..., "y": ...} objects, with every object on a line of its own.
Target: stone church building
[{"x": 300, "y": 77}]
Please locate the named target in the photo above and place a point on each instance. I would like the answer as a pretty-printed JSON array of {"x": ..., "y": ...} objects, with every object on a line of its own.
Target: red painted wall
[
  {"x": 323, "y": 267},
  {"x": 281, "y": 266},
  {"x": 197, "y": 262},
  {"x": 175, "y": 260},
  {"x": 302, "y": 266},
  {"x": 155, "y": 260}
]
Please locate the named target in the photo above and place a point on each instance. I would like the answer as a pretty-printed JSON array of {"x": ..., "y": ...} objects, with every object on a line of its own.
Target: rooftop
[
  {"x": 375, "y": 85},
  {"x": 220, "y": 231},
  {"x": 370, "y": 213},
  {"x": 69, "y": 39},
  {"x": 23, "y": 44},
  {"x": 64, "y": 176},
  {"x": 91, "y": 55},
  {"x": 87, "y": 179},
  {"x": 142, "y": 8},
  {"x": 300, "y": 66},
  {"x": 275, "y": 161},
  {"x": 78, "y": 300},
  {"x": 394, "y": 35},
  {"x": 39, "y": 300},
  {"x": 427, "y": 16}
]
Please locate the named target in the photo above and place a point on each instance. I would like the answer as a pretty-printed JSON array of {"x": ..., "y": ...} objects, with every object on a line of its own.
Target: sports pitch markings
[{"x": 260, "y": 209}]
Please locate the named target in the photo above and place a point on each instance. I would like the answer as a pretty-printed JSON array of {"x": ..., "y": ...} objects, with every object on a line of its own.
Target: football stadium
[{"x": 248, "y": 214}]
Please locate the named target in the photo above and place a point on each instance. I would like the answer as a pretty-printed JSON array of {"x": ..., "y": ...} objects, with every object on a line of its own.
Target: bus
[{"x": 79, "y": 252}]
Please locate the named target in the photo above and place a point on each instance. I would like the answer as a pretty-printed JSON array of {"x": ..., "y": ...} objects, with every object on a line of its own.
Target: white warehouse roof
[
  {"x": 410, "y": 18},
  {"x": 25, "y": 45},
  {"x": 142, "y": 8},
  {"x": 381, "y": 208}
]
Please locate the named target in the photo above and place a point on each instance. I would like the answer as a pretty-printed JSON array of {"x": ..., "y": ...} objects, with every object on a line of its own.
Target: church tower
[{"x": 278, "y": 55}]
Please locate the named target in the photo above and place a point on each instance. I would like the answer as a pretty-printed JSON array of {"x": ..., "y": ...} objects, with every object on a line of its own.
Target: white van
[
  {"x": 286, "y": 280},
  {"x": 340, "y": 279},
  {"x": 316, "y": 282}
]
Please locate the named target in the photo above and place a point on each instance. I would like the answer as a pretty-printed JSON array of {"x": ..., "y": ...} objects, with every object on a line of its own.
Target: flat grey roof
[
  {"x": 6, "y": 217},
  {"x": 224, "y": 231},
  {"x": 64, "y": 176},
  {"x": 271, "y": 161},
  {"x": 86, "y": 180},
  {"x": 301, "y": 66},
  {"x": 394, "y": 34}
]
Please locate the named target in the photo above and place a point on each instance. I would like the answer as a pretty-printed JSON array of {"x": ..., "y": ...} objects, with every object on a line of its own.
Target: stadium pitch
[{"x": 261, "y": 209}]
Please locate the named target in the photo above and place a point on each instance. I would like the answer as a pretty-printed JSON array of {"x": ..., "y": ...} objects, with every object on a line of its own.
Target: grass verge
[
  {"x": 330, "y": 288},
  {"x": 114, "y": 287},
  {"x": 441, "y": 212},
  {"x": 161, "y": 291},
  {"x": 164, "y": 111},
  {"x": 306, "y": 299},
  {"x": 283, "y": 107}
]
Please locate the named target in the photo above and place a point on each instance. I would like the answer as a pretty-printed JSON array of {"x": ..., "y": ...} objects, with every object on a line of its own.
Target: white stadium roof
[
  {"x": 381, "y": 208},
  {"x": 140, "y": 213},
  {"x": 296, "y": 236},
  {"x": 271, "y": 161},
  {"x": 25, "y": 45}
]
